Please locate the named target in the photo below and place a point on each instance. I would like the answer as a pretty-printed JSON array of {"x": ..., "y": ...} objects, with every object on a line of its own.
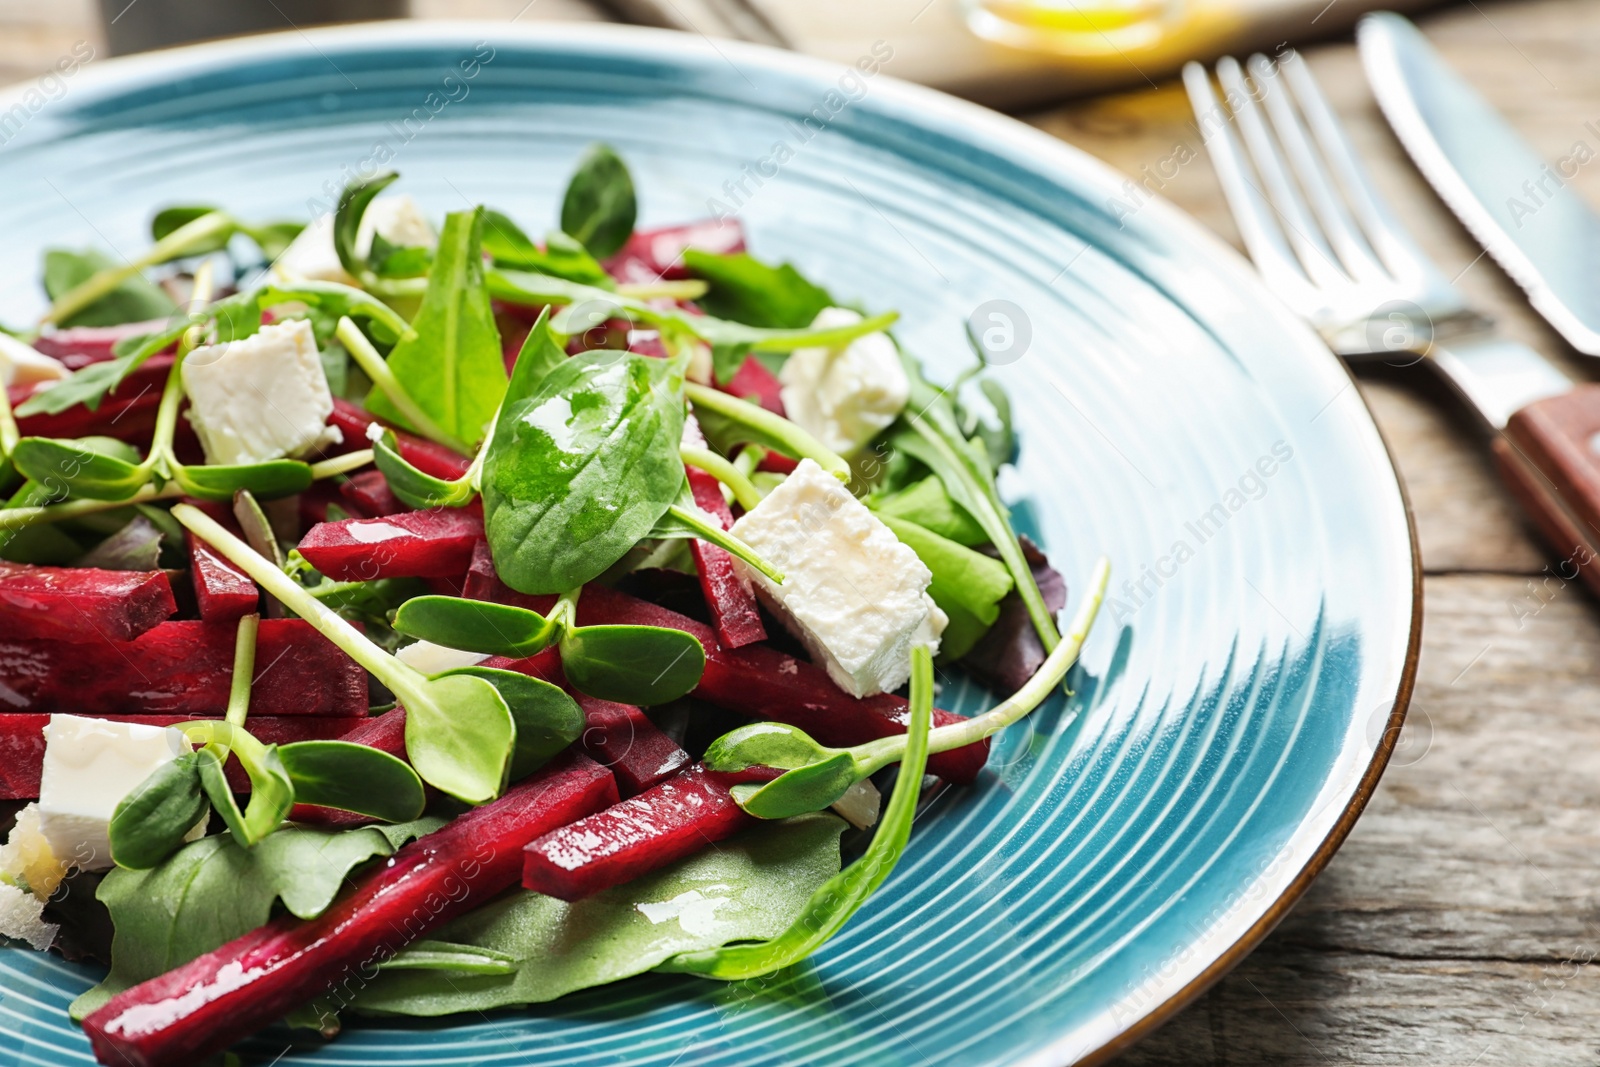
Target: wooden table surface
[{"x": 1457, "y": 923}]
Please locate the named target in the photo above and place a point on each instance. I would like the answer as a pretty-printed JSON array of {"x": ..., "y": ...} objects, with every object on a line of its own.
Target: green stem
[
  {"x": 388, "y": 670},
  {"x": 724, "y": 471},
  {"x": 17, "y": 518},
  {"x": 173, "y": 245},
  {"x": 876, "y": 755},
  {"x": 341, "y": 464},
  {"x": 368, "y": 359},
  {"x": 775, "y": 427},
  {"x": 748, "y": 459},
  {"x": 160, "y": 458},
  {"x": 564, "y": 613},
  {"x": 244, "y": 670},
  {"x": 713, "y": 533},
  {"x": 688, "y": 289}
]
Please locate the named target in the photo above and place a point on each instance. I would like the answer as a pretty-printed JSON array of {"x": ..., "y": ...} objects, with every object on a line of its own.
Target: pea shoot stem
[
  {"x": 173, "y": 245},
  {"x": 368, "y": 359},
  {"x": 723, "y": 470},
  {"x": 244, "y": 669},
  {"x": 775, "y": 427},
  {"x": 327, "y": 468}
]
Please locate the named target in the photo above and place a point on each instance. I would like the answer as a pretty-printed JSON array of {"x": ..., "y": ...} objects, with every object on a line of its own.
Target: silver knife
[
  {"x": 1521, "y": 207},
  {"x": 1525, "y": 213}
]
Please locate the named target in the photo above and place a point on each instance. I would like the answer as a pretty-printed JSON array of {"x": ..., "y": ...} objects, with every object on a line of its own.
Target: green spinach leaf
[
  {"x": 451, "y": 366},
  {"x": 752, "y": 886},
  {"x": 600, "y": 208},
  {"x": 583, "y": 468}
]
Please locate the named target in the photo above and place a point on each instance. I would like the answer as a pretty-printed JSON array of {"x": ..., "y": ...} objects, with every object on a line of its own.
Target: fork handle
[{"x": 1549, "y": 456}]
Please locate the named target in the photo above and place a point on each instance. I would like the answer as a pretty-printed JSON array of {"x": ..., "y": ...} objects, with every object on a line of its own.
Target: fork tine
[
  {"x": 1393, "y": 244},
  {"x": 1305, "y": 236},
  {"x": 1258, "y": 225},
  {"x": 1354, "y": 252}
]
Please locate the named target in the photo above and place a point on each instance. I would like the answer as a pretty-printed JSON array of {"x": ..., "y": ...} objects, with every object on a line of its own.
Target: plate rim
[{"x": 1075, "y": 165}]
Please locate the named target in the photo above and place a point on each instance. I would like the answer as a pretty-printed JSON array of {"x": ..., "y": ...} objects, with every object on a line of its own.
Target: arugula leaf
[
  {"x": 600, "y": 208},
  {"x": 451, "y": 365},
  {"x": 744, "y": 289},
  {"x": 583, "y": 468},
  {"x": 212, "y": 891},
  {"x": 751, "y": 886},
  {"x": 968, "y": 586},
  {"x": 90, "y": 384},
  {"x": 134, "y": 299},
  {"x": 561, "y": 256}
]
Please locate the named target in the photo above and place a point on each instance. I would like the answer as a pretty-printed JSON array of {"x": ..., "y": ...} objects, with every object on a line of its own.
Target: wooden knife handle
[{"x": 1549, "y": 456}]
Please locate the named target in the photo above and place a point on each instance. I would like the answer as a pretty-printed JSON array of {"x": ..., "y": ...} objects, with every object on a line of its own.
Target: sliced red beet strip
[
  {"x": 207, "y": 1004},
  {"x": 755, "y": 383},
  {"x": 618, "y": 736},
  {"x": 81, "y": 604},
  {"x": 654, "y": 255},
  {"x": 662, "y": 825},
  {"x": 427, "y": 457},
  {"x": 79, "y": 346},
  {"x": 729, "y": 596},
  {"x": 128, "y": 414},
  {"x": 22, "y": 743},
  {"x": 221, "y": 590},
  {"x": 761, "y": 682},
  {"x": 437, "y": 543},
  {"x": 182, "y": 667},
  {"x": 777, "y": 463},
  {"x": 368, "y": 494}
]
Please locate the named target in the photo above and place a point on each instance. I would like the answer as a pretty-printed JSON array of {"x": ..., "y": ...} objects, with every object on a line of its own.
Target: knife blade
[{"x": 1522, "y": 209}]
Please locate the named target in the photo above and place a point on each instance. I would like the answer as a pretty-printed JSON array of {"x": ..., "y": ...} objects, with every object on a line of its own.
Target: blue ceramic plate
[{"x": 1235, "y": 706}]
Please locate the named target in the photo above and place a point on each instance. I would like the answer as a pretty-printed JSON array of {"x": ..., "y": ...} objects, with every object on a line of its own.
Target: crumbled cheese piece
[
  {"x": 311, "y": 255},
  {"x": 852, "y": 593},
  {"x": 27, "y": 860},
  {"x": 20, "y": 364},
  {"x": 22, "y": 918},
  {"x": 263, "y": 397},
  {"x": 90, "y": 765},
  {"x": 430, "y": 658},
  {"x": 844, "y": 397}
]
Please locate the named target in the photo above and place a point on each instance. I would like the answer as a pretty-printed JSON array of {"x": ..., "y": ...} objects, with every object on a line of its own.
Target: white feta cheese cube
[
  {"x": 312, "y": 257},
  {"x": 22, "y": 364},
  {"x": 852, "y": 593},
  {"x": 90, "y": 765},
  {"x": 263, "y": 397},
  {"x": 844, "y": 397},
  {"x": 430, "y": 659}
]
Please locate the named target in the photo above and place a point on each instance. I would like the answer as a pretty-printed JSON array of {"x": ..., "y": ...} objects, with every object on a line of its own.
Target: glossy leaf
[
  {"x": 581, "y": 470},
  {"x": 414, "y": 488},
  {"x": 451, "y": 366},
  {"x": 71, "y": 467},
  {"x": 548, "y": 720},
  {"x": 353, "y": 204},
  {"x": 755, "y": 885},
  {"x": 540, "y": 354},
  {"x": 151, "y": 823},
  {"x": 269, "y": 480},
  {"x": 476, "y": 625},
  {"x": 271, "y": 791},
  {"x": 600, "y": 208},
  {"x": 460, "y": 735},
  {"x": 351, "y": 777},
  {"x": 644, "y": 665}
]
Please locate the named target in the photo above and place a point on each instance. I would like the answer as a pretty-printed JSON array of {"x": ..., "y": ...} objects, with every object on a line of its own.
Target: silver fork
[{"x": 1328, "y": 247}]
